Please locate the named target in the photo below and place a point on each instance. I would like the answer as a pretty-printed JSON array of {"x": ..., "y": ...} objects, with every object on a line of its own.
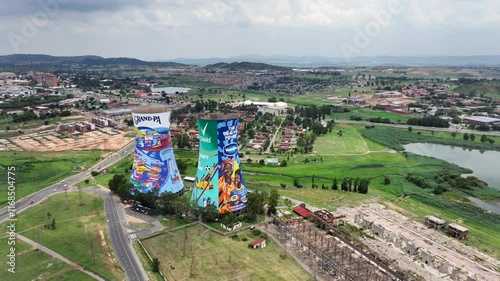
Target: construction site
[{"x": 104, "y": 139}]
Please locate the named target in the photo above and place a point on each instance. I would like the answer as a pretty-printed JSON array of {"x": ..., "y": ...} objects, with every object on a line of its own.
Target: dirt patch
[
  {"x": 110, "y": 140},
  {"x": 132, "y": 219}
]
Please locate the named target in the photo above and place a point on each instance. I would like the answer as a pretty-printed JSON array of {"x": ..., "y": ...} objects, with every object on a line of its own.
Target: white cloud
[{"x": 200, "y": 28}]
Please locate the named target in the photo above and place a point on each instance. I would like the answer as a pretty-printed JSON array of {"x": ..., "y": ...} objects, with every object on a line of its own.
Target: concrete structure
[
  {"x": 457, "y": 231},
  {"x": 434, "y": 222},
  {"x": 154, "y": 167},
  {"x": 219, "y": 177},
  {"x": 326, "y": 220},
  {"x": 81, "y": 127},
  {"x": 267, "y": 105},
  {"x": 103, "y": 122}
]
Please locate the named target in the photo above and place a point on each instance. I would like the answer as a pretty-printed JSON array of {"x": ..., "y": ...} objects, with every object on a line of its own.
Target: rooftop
[
  {"x": 482, "y": 119},
  {"x": 458, "y": 227}
]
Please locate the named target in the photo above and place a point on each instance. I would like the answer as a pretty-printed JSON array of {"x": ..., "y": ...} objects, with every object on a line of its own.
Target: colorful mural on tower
[
  {"x": 154, "y": 168},
  {"x": 219, "y": 180}
]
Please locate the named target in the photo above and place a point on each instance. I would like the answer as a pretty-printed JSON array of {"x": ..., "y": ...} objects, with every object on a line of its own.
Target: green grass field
[
  {"x": 222, "y": 258},
  {"x": 81, "y": 233},
  {"x": 37, "y": 170},
  {"x": 32, "y": 264},
  {"x": 367, "y": 113}
]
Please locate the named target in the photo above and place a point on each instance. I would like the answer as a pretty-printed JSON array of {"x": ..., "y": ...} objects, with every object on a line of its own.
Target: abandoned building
[
  {"x": 436, "y": 223},
  {"x": 457, "y": 231}
]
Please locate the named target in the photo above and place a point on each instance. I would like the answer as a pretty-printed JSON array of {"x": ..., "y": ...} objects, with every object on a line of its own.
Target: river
[{"x": 484, "y": 164}]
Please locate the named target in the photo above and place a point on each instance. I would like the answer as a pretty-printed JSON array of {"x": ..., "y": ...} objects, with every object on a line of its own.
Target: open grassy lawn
[
  {"x": 367, "y": 113},
  {"x": 344, "y": 91},
  {"x": 333, "y": 144},
  {"x": 32, "y": 264},
  {"x": 81, "y": 233},
  {"x": 37, "y": 170},
  {"x": 221, "y": 258}
]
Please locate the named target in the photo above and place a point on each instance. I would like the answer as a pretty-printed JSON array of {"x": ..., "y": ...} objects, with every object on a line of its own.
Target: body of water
[
  {"x": 170, "y": 90},
  {"x": 485, "y": 165}
]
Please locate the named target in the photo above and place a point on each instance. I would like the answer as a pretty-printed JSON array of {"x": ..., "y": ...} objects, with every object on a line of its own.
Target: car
[
  {"x": 31, "y": 202},
  {"x": 107, "y": 221}
]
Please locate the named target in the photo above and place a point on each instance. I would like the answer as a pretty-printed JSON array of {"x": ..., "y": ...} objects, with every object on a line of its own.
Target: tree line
[{"x": 429, "y": 122}]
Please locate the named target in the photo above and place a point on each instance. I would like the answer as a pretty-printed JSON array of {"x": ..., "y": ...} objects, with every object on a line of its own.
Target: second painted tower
[{"x": 219, "y": 179}]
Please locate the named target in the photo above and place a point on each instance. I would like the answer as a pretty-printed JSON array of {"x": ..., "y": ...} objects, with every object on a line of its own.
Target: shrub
[{"x": 256, "y": 232}]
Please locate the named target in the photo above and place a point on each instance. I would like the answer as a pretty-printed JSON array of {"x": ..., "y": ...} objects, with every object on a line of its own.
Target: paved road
[
  {"x": 121, "y": 244},
  {"x": 59, "y": 256}
]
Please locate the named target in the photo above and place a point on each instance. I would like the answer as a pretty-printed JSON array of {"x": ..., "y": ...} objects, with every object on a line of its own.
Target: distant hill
[
  {"x": 235, "y": 66},
  {"x": 372, "y": 61},
  {"x": 482, "y": 88},
  {"x": 60, "y": 61}
]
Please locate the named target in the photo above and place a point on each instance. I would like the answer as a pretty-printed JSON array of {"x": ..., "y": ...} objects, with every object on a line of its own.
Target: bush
[
  {"x": 256, "y": 232},
  {"x": 244, "y": 239},
  {"x": 94, "y": 173},
  {"x": 234, "y": 237}
]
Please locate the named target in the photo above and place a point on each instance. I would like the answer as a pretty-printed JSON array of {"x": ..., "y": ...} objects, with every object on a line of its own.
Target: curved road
[{"x": 122, "y": 246}]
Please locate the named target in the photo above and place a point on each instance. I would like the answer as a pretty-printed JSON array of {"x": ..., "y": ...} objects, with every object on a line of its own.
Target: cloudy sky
[{"x": 167, "y": 29}]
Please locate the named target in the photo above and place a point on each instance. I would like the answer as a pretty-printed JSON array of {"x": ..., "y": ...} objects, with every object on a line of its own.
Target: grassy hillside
[
  {"x": 483, "y": 88},
  {"x": 246, "y": 66}
]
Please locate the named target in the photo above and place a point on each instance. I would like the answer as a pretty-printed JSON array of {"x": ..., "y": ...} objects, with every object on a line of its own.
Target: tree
[
  {"x": 256, "y": 202},
  {"x": 156, "y": 265},
  {"x": 182, "y": 165},
  {"x": 454, "y": 134},
  {"x": 273, "y": 202},
  {"x": 53, "y": 224},
  {"x": 410, "y": 129},
  {"x": 296, "y": 183},
  {"x": 484, "y": 138},
  {"x": 466, "y": 136},
  {"x": 262, "y": 162},
  {"x": 335, "y": 185},
  {"x": 344, "y": 184},
  {"x": 283, "y": 163},
  {"x": 472, "y": 137}
]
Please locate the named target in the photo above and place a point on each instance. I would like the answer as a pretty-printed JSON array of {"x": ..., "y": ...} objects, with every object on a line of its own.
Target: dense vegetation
[{"x": 429, "y": 122}]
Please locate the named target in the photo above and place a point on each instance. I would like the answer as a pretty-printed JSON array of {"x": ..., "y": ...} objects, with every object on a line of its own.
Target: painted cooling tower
[
  {"x": 154, "y": 167},
  {"x": 219, "y": 180}
]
